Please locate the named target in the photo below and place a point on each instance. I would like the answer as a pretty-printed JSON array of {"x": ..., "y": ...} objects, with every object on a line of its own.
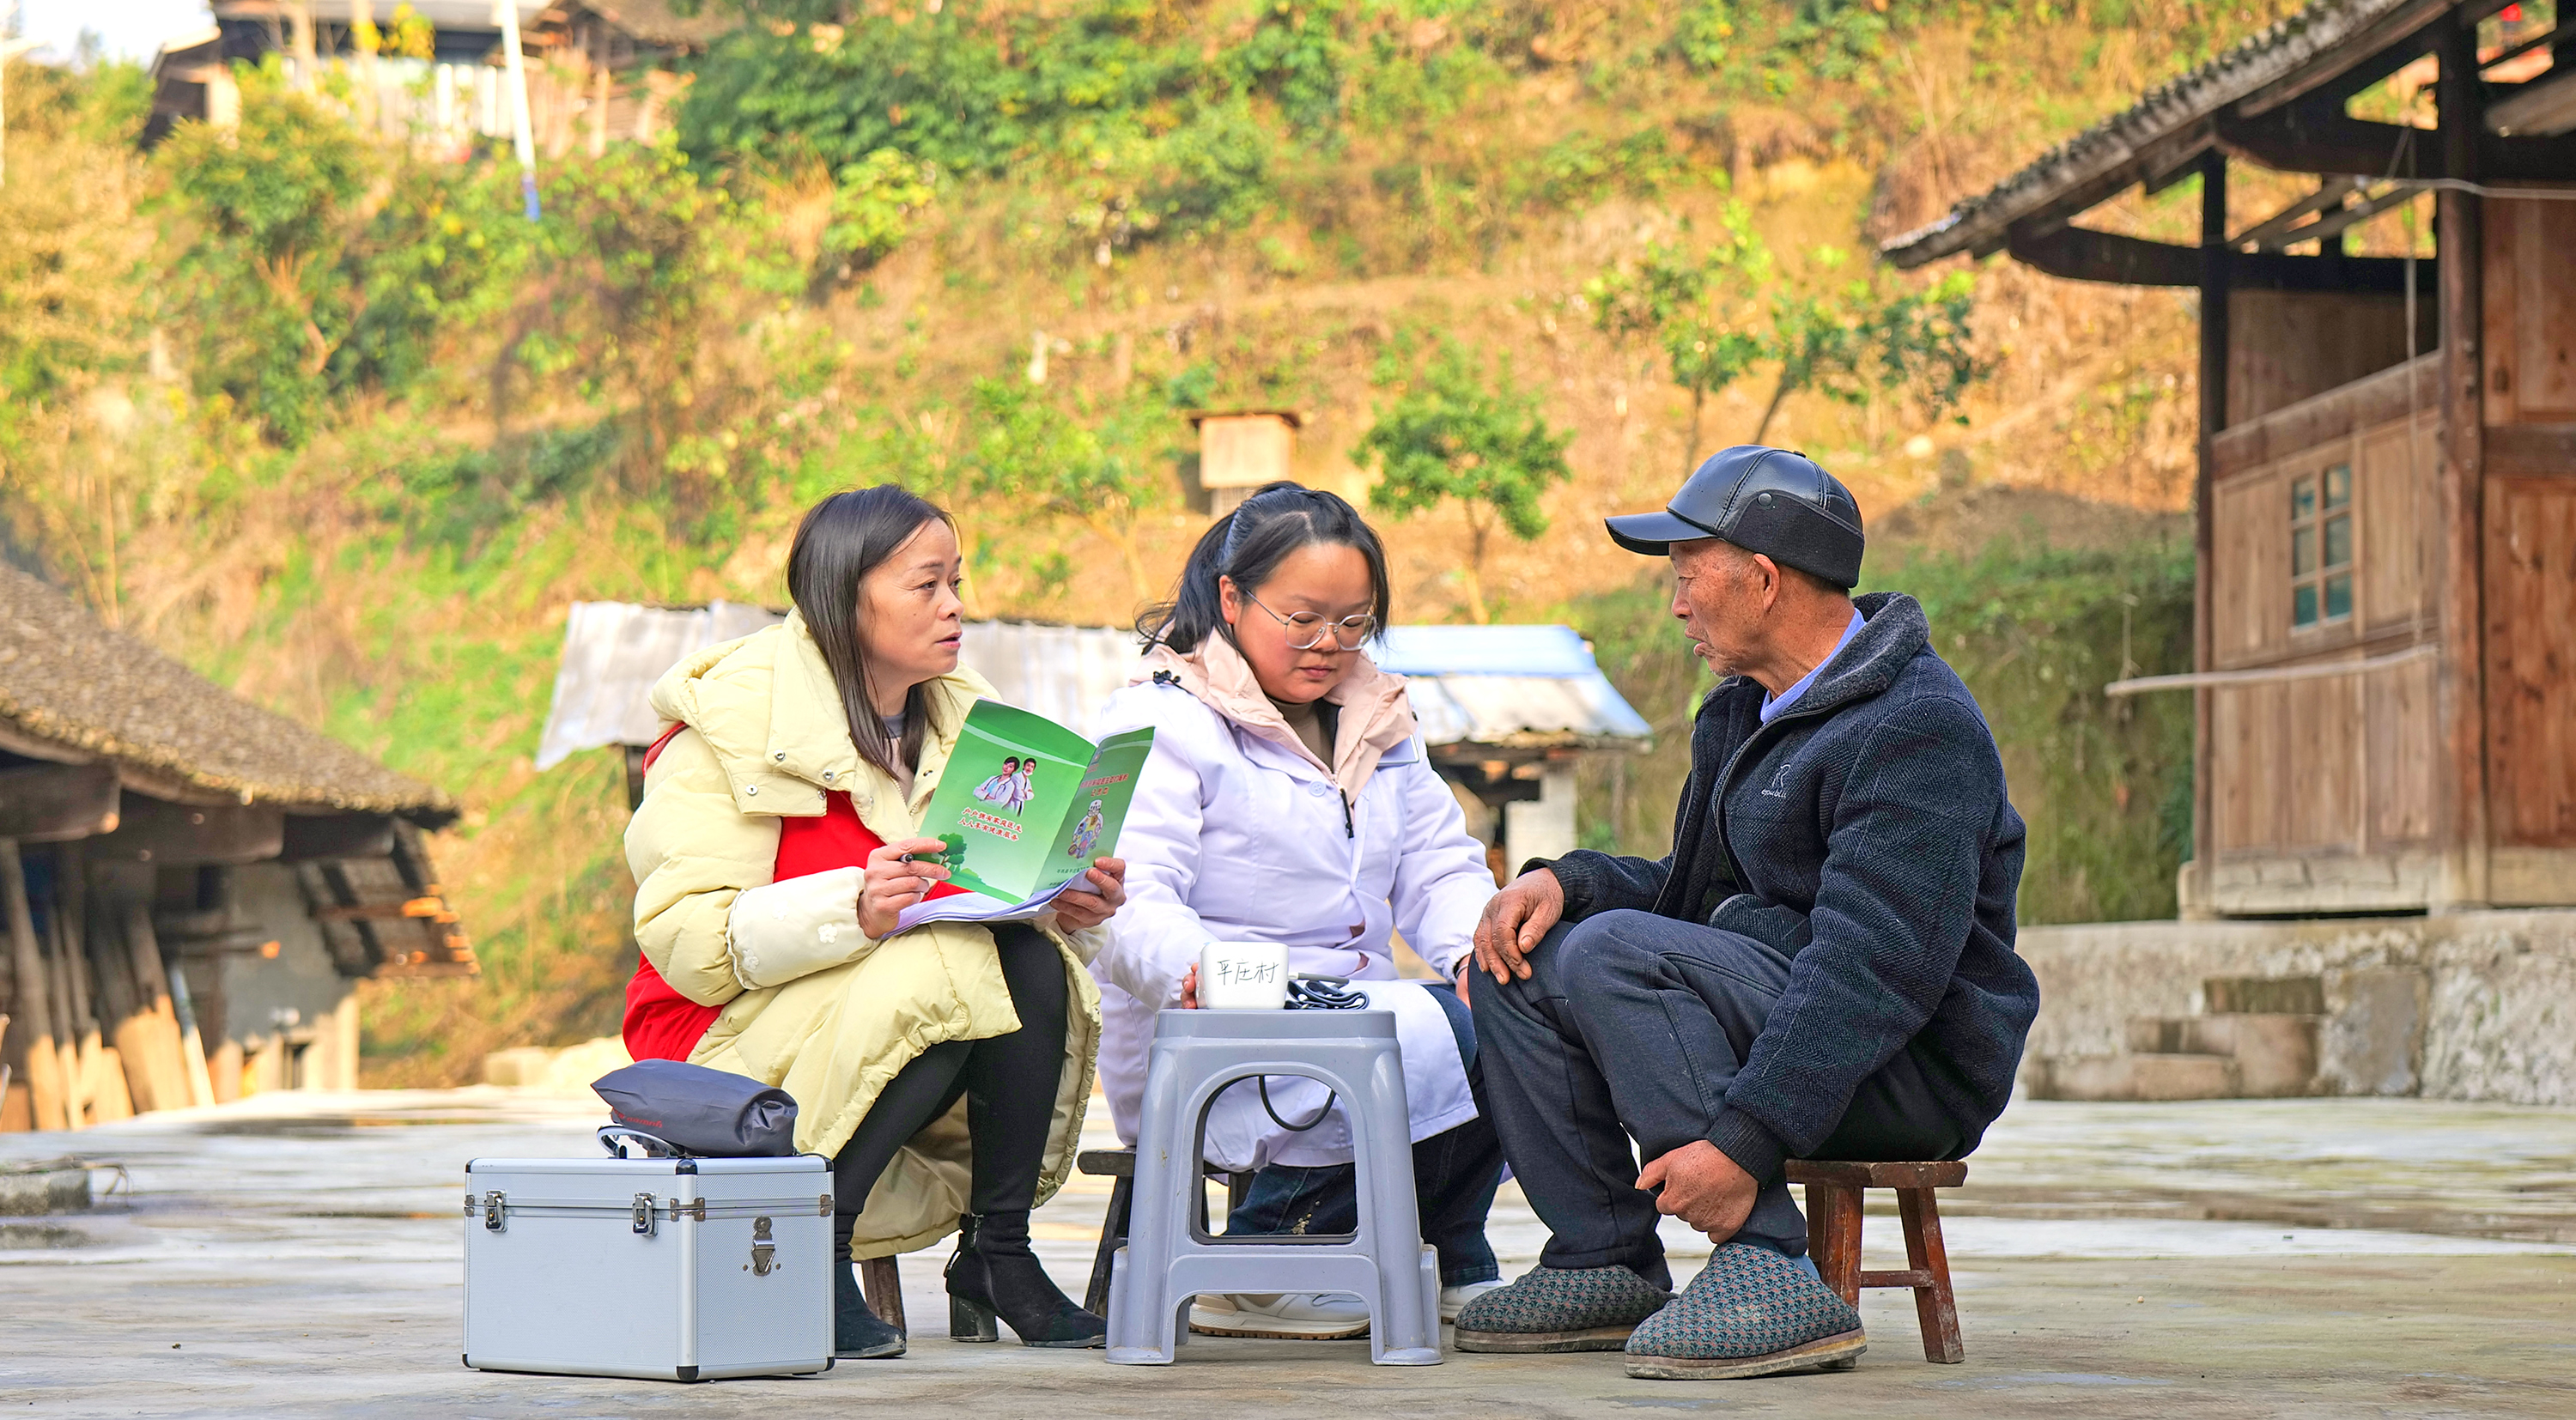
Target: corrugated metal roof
[
  {"x": 613, "y": 652},
  {"x": 1526, "y": 711},
  {"x": 1485, "y": 650},
  {"x": 1515, "y": 686}
]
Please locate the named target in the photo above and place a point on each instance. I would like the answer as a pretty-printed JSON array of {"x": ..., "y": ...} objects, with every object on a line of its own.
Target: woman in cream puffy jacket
[{"x": 944, "y": 1069}]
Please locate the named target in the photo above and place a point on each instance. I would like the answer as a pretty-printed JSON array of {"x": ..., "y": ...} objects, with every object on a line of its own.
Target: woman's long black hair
[
  {"x": 1248, "y": 545},
  {"x": 841, "y": 540}
]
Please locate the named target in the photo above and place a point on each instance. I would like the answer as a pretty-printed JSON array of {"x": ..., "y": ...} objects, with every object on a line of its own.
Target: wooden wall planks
[
  {"x": 2288, "y": 346},
  {"x": 2531, "y": 659},
  {"x": 2530, "y": 312},
  {"x": 2339, "y": 764}
]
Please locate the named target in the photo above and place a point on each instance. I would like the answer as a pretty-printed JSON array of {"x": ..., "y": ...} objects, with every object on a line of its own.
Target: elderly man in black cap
[{"x": 1822, "y": 968}]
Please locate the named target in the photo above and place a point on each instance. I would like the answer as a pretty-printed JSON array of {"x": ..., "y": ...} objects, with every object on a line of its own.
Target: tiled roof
[
  {"x": 70, "y": 682},
  {"x": 2115, "y": 152}
]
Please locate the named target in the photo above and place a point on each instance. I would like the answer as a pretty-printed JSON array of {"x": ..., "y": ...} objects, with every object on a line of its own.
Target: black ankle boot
[
  {"x": 995, "y": 1274},
  {"x": 857, "y": 1334}
]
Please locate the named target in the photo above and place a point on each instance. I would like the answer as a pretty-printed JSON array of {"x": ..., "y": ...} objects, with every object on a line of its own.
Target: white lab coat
[{"x": 1235, "y": 836}]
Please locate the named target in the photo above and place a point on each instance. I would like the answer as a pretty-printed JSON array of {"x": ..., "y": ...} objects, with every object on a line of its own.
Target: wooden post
[
  {"x": 68, "y": 1020},
  {"x": 81, "y": 1033},
  {"x": 2213, "y": 418},
  {"x": 362, "y": 54},
  {"x": 8, "y": 22},
  {"x": 881, "y": 1282},
  {"x": 192, "y": 1046},
  {"x": 156, "y": 1065},
  {"x": 599, "y": 92},
  {"x": 102, "y": 1091},
  {"x": 34, "y": 1004},
  {"x": 117, "y": 1081},
  {"x": 2460, "y": 690},
  {"x": 308, "y": 62}
]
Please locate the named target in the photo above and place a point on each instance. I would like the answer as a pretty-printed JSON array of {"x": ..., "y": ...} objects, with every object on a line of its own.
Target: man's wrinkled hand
[
  {"x": 1514, "y": 920},
  {"x": 1700, "y": 1185}
]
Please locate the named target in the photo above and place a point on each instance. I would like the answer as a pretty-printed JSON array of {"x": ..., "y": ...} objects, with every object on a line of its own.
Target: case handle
[{"x": 614, "y": 1138}]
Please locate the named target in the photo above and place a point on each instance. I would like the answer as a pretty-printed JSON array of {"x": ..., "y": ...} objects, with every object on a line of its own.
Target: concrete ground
[{"x": 300, "y": 1255}]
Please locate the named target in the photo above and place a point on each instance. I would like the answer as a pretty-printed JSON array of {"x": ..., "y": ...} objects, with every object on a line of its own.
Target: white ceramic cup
[{"x": 1243, "y": 976}]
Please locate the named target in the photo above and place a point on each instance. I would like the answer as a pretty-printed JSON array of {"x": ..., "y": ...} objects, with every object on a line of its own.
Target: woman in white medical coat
[{"x": 1289, "y": 799}]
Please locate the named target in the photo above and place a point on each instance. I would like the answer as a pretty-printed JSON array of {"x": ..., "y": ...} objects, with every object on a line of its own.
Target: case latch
[
  {"x": 644, "y": 1215},
  {"x": 764, "y": 1253},
  {"x": 496, "y": 1210}
]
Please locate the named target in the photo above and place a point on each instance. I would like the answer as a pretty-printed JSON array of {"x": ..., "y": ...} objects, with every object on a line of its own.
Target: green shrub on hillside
[
  {"x": 873, "y": 204},
  {"x": 1295, "y": 57},
  {"x": 273, "y": 208},
  {"x": 1102, "y": 464},
  {"x": 641, "y": 257},
  {"x": 1115, "y": 97},
  {"x": 312, "y": 262}
]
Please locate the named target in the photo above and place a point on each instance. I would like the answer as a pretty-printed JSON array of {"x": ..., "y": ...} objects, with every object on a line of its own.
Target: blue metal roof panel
[{"x": 1485, "y": 650}]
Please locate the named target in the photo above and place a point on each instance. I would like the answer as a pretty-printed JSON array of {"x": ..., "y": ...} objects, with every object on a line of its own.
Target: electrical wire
[{"x": 1309, "y": 993}]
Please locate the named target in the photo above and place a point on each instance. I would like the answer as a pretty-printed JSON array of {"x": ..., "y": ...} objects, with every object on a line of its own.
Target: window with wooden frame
[{"x": 2321, "y": 550}]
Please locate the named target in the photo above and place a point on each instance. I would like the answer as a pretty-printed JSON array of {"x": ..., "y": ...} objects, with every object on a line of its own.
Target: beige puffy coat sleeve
[{"x": 692, "y": 854}]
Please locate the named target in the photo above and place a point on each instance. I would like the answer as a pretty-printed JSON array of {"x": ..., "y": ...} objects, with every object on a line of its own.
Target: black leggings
[{"x": 1009, "y": 1082}]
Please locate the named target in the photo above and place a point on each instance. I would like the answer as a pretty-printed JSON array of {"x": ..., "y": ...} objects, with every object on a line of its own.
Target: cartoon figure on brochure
[{"x": 1086, "y": 834}]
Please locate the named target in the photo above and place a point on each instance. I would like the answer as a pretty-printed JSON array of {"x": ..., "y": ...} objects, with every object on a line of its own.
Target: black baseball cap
[{"x": 1773, "y": 501}]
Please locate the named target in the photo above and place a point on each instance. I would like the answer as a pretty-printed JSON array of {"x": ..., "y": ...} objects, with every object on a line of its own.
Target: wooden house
[
  {"x": 190, "y": 886},
  {"x": 2386, "y": 629},
  {"x": 599, "y": 71}
]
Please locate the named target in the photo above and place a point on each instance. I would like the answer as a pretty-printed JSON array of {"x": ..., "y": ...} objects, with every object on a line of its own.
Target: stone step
[
  {"x": 2276, "y": 1054},
  {"x": 2137, "y": 1077}
]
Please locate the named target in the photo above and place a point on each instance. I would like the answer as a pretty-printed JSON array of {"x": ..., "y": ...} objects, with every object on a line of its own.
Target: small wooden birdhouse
[{"x": 1240, "y": 450}]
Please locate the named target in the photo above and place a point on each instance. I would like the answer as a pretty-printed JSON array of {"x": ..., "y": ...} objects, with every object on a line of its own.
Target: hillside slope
[{"x": 338, "y": 428}]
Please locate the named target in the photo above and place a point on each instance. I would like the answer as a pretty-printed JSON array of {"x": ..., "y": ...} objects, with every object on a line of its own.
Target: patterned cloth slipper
[
  {"x": 1560, "y": 1309},
  {"x": 1750, "y": 1312}
]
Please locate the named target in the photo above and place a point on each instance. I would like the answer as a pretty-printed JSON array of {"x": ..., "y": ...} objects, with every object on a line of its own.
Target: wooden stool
[
  {"x": 881, "y": 1282},
  {"x": 1120, "y": 1164},
  {"x": 1833, "y": 1227}
]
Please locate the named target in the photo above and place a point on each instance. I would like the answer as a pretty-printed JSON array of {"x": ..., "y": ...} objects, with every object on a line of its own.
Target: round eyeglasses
[{"x": 1306, "y": 630}]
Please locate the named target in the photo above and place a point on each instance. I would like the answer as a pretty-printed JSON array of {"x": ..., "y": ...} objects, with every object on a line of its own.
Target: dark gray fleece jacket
[{"x": 1866, "y": 833}]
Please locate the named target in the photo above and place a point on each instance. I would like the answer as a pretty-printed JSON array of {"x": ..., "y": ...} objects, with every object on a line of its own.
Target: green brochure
[{"x": 1024, "y": 806}]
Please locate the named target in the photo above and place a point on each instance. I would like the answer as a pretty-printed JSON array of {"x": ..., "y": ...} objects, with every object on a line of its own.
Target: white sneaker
[
  {"x": 1281, "y": 1316},
  {"x": 1454, "y": 1300}
]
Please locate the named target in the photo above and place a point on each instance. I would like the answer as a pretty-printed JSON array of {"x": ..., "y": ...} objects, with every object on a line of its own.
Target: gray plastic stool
[{"x": 1170, "y": 1257}]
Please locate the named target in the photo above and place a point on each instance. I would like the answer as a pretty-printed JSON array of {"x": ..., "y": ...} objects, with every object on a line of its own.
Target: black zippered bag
[{"x": 712, "y": 1114}]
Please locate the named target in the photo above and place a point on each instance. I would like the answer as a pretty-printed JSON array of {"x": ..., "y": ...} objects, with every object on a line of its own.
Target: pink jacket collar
[{"x": 1375, "y": 715}]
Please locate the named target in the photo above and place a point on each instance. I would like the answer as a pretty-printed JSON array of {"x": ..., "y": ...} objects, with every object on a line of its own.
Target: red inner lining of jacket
[{"x": 662, "y": 1024}]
